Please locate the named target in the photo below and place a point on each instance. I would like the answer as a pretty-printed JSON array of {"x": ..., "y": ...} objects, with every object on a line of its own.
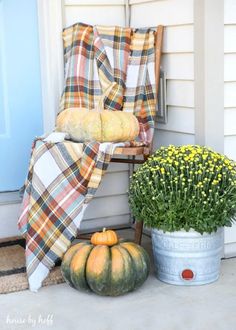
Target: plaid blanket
[
  {"x": 64, "y": 175},
  {"x": 97, "y": 57},
  {"x": 62, "y": 179}
]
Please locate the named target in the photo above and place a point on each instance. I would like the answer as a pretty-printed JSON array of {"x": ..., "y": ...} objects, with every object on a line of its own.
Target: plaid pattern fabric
[
  {"x": 95, "y": 57},
  {"x": 140, "y": 93},
  {"x": 63, "y": 176},
  {"x": 119, "y": 57}
]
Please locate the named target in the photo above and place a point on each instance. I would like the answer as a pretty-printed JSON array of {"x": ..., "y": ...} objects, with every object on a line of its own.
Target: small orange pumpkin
[{"x": 106, "y": 237}]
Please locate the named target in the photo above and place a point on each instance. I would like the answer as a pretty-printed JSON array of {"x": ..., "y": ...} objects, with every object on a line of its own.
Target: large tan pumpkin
[{"x": 102, "y": 126}]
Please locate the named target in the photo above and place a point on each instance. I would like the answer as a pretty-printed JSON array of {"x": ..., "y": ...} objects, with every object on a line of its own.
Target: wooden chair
[
  {"x": 133, "y": 152},
  {"x": 140, "y": 151}
]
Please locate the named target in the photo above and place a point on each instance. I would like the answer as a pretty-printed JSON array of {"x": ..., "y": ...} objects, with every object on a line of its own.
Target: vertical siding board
[{"x": 230, "y": 102}]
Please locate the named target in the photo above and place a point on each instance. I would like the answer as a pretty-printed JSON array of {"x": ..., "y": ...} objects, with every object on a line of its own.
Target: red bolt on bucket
[{"x": 187, "y": 274}]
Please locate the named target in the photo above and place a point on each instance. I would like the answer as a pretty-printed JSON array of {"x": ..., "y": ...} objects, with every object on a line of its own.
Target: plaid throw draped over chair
[
  {"x": 96, "y": 57},
  {"x": 64, "y": 175}
]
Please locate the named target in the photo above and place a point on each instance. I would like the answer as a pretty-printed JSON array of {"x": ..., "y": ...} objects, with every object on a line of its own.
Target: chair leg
[
  {"x": 139, "y": 224},
  {"x": 138, "y": 232}
]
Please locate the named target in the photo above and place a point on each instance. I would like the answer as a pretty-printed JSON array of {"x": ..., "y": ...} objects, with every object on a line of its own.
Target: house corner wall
[
  {"x": 209, "y": 73},
  {"x": 230, "y": 102}
]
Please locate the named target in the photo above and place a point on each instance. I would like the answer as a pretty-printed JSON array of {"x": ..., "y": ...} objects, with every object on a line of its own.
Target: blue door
[{"x": 20, "y": 91}]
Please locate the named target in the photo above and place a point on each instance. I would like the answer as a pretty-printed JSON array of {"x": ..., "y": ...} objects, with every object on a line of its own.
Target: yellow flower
[{"x": 215, "y": 182}]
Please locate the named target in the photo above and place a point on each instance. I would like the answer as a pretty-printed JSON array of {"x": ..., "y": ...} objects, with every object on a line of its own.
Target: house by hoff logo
[{"x": 46, "y": 320}]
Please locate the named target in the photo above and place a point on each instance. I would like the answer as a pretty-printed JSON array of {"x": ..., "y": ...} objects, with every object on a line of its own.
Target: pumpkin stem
[{"x": 104, "y": 229}]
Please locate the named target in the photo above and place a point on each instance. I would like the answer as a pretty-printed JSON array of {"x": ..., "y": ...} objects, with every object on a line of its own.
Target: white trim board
[
  {"x": 50, "y": 20},
  {"x": 209, "y": 73}
]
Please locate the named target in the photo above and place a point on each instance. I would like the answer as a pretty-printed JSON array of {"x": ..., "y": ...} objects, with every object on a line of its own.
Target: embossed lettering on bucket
[{"x": 187, "y": 258}]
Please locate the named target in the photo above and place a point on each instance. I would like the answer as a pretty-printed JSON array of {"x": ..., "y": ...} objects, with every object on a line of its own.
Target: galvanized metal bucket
[{"x": 187, "y": 258}]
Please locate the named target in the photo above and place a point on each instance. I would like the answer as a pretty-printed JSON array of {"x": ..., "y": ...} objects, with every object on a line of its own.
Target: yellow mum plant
[{"x": 185, "y": 187}]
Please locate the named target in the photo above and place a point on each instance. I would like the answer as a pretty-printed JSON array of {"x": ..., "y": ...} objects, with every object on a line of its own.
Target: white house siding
[
  {"x": 177, "y": 62},
  {"x": 230, "y": 90}
]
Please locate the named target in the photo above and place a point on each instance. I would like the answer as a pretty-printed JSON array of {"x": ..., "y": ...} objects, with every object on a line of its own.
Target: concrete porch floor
[{"x": 155, "y": 305}]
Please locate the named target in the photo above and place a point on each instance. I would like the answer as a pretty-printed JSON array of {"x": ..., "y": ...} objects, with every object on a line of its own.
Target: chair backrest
[
  {"x": 158, "y": 52},
  {"x": 82, "y": 86}
]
